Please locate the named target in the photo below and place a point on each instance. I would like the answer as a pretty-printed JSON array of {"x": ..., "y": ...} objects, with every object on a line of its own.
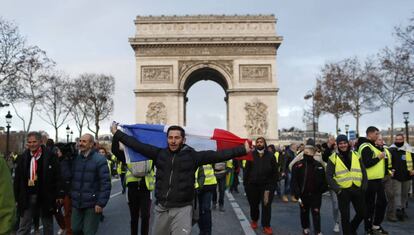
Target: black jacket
[
  {"x": 299, "y": 177},
  {"x": 262, "y": 170},
  {"x": 49, "y": 182},
  {"x": 399, "y": 163},
  {"x": 367, "y": 155},
  {"x": 175, "y": 175}
]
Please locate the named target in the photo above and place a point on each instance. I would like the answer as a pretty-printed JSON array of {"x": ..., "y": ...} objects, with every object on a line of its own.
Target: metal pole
[
  {"x": 313, "y": 119},
  {"x": 67, "y": 138},
  {"x": 406, "y": 132},
  {"x": 7, "y": 139}
]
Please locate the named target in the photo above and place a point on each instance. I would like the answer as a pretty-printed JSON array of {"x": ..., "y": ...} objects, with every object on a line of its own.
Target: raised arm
[
  {"x": 208, "y": 157},
  {"x": 147, "y": 150}
]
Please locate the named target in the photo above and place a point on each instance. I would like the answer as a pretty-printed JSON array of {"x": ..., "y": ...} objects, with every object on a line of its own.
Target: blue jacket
[{"x": 91, "y": 182}]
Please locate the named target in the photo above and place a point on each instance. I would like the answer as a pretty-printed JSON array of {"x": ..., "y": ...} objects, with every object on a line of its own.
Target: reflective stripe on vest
[
  {"x": 409, "y": 160},
  {"x": 376, "y": 171},
  {"x": 149, "y": 179},
  {"x": 277, "y": 156},
  {"x": 346, "y": 178}
]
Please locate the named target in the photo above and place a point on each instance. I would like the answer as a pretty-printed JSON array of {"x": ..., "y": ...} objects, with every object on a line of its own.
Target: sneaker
[
  {"x": 392, "y": 218},
  {"x": 285, "y": 198},
  {"x": 336, "y": 228},
  {"x": 221, "y": 208},
  {"x": 380, "y": 231},
  {"x": 253, "y": 224},
  {"x": 293, "y": 199},
  {"x": 214, "y": 206},
  {"x": 61, "y": 232},
  {"x": 369, "y": 232},
  {"x": 306, "y": 231},
  {"x": 268, "y": 230}
]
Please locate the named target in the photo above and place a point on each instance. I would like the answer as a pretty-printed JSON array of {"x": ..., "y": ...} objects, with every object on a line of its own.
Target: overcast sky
[{"x": 92, "y": 36}]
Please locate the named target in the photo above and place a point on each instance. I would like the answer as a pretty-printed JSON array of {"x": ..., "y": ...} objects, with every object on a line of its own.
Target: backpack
[
  {"x": 140, "y": 169},
  {"x": 221, "y": 166}
]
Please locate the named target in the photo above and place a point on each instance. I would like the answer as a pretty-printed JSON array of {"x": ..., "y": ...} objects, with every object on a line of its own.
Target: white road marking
[{"x": 244, "y": 222}]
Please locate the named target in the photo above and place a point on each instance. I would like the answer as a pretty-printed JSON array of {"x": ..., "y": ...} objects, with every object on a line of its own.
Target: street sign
[{"x": 352, "y": 135}]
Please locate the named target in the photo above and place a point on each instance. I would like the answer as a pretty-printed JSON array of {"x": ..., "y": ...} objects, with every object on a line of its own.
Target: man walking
[
  {"x": 346, "y": 175},
  {"x": 402, "y": 171},
  {"x": 175, "y": 176},
  {"x": 36, "y": 185},
  {"x": 260, "y": 179},
  {"x": 91, "y": 187},
  {"x": 289, "y": 156},
  {"x": 376, "y": 166}
]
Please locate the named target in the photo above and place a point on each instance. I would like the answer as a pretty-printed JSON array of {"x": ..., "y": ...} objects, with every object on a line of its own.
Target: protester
[
  {"x": 290, "y": 154},
  {"x": 205, "y": 185},
  {"x": 260, "y": 179},
  {"x": 36, "y": 185},
  {"x": 7, "y": 202},
  {"x": 347, "y": 177},
  {"x": 139, "y": 180},
  {"x": 402, "y": 172},
  {"x": 221, "y": 169},
  {"x": 91, "y": 187},
  {"x": 308, "y": 185},
  {"x": 376, "y": 165},
  {"x": 176, "y": 166}
]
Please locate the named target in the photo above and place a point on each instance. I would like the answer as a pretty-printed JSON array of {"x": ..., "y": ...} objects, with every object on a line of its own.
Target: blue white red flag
[{"x": 214, "y": 139}]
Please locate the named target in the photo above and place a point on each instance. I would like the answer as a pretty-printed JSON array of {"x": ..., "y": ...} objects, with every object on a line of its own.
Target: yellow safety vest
[
  {"x": 210, "y": 178},
  {"x": 149, "y": 179},
  {"x": 346, "y": 178},
  {"x": 376, "y": 171},
  {"x": 409, "y": 160},
  {"x": 244, "y": 163}
]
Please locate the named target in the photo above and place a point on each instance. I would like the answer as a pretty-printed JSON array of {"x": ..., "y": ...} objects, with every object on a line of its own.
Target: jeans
[
  {"x": 355, "y": 196},
  {"x": 204, "y": 222},
  {"x": 288, "y": 179},
  {"x": 221, "y": 186},
  {"x": 376, "y": 203},
  {"x": 85, "y": 220},
  {"x": 311, "y": 203}
]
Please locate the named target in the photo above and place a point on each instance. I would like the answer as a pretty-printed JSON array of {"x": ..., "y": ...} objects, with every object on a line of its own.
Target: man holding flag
[{"x": 175, "y": 176}]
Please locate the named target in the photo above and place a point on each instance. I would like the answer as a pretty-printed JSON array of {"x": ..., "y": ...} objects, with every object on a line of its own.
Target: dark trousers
[
  {"x": 221, "y": 187},
  {"x": 376, "y": 203},
  {"x": 255, "y": 197},
  {"x": 311, "y": 203},
  {"x": 204, "y": 221},
  {"x": 139, "y": 203},
  {"x": 85, "y": 221},
  {"x": 26, "y": 219},
  {"x": 122, "y": 176},
  {"x": 355, "y": 196},
  {"x": 235, "y": 183}
]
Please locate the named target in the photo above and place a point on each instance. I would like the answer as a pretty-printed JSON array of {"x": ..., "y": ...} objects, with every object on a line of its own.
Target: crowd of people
[{"x": 71, "y": 182}]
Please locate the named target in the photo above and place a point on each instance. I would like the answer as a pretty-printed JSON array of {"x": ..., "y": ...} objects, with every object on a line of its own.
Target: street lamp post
[
  {"x": 67, "y": 133},
  {"x": 347, "y": 130},
  {"x": 8, "y": 121},
  {"x": 308, "y": 96},
  {"x": 406, "y": 116},
  {"x": 71, "y": 135}
]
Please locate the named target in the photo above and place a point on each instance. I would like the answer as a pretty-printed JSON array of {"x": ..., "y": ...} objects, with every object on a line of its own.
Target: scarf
[{"x": 33, "y": 164}]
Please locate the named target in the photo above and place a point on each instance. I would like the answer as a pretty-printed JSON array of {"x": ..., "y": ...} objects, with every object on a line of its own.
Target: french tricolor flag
[{"x": 215, "y": 139}]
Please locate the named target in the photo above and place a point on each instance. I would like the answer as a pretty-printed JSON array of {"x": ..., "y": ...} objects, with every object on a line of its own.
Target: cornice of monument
[
  {"x": 204, "y": 40},
  {"x": 205, "y": 18}
]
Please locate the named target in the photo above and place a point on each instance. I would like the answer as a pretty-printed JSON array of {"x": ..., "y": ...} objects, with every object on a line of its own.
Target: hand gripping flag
[{"x": 216, "y": 139}]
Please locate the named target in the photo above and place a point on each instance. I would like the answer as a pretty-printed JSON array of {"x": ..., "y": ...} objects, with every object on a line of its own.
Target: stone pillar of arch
[{"x": 238, "y": 52}]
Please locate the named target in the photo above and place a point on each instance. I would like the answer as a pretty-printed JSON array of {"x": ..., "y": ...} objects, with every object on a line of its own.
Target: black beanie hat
[{"x": 340, "y": 138}]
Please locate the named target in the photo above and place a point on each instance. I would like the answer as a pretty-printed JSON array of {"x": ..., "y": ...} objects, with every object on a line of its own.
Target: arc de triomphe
[{"x": 238, "y": 52}]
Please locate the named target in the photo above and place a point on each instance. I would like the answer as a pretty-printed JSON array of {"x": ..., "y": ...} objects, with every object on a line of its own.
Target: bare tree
[
  {"x": 55, "y": 105},
  {"x": 98, "y": 91},
  {"x": 391, "y": 88},
  {"x": 333, "y": 101},
  {"x": 77, "y": 100},
  {"x": 29, "y": 85},
  {"x": 359, "y": 87},
  {"x": 11, "y": 49}
]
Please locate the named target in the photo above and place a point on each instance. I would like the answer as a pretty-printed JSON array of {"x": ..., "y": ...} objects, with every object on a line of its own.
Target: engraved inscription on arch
[{"x": 255, "y": 73}]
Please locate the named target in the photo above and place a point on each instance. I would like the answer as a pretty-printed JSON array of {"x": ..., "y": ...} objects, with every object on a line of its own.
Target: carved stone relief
[
  {"x": 226, "y": 65},
  {"x": 156, "y": 74},
  {"x": 256, "y": 118},
  {"x": 210, "y": 50},
  {"x": 255, "y": 73},
  {"x": 156, "y": 113}
]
